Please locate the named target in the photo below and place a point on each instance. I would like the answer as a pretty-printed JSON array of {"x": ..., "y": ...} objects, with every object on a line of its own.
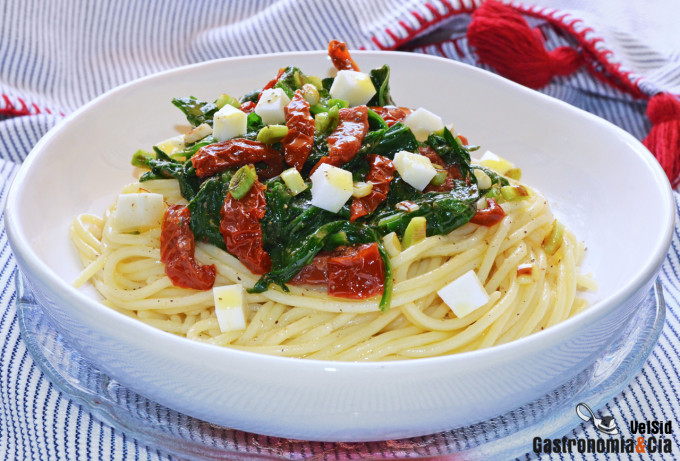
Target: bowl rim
[{"x": 472, "y": 359}]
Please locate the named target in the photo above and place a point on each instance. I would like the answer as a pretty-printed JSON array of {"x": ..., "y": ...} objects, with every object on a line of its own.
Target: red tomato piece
[
  {"x": 241, "y": 230},
  {"x": 340, "y": 56},
  {"x": 316, "y": 272},
  {"x": 489, "y": 216},
  {"x": 346, "y": 139},
  {"x": 271, "y": 83},
  {"x": 380, "y": 175},
  {"x": 453, "y": 172},
  {"x": 177, "y": 251},
  {"x": 358, "y": 274},
  {"x": 247, "y": 107},
  {"x": 391, "y": 114},
  {"x": 298, "y": 142},
  {"x": 237, "y": 152}
]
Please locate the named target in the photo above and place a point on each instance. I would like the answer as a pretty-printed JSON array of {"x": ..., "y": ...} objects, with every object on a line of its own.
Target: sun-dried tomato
[
  {"x": 271, "y": 83},
  {"x": 453, "y": 172},
  {"x": 380, "y": 175},
  {"x": 241, "y": 230},
  {"x": 489, "y": 216},
  {"x": 220, "y": 156},
  {"x": 177, "y": 251},
  {"x": 298, "y": 142},
  {"x": 316, "y": 272},
  {"x": 247, "y": 107},
  {"x": 350, "y": 272},
  {"x": 358, "y": 274},
  {"x": 346, "y": 139},
  {"x": 391, "y": 114},
  {"x": 340, "y": 56}
]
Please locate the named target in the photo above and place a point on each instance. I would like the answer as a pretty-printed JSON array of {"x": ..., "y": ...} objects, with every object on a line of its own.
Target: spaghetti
[{"x": 328, "y": 278}]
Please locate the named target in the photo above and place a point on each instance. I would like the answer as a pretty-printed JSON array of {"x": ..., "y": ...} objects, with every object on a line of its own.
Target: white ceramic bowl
[{"x": 602, "y": 182}]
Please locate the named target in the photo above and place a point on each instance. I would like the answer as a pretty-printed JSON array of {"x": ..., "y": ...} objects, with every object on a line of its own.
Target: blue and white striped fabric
[{"x": 57, "y": 55}]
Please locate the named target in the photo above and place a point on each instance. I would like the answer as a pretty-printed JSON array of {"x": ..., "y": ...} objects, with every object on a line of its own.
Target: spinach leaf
[
  {"x": 386, "y": 142},
  {"x": 381, "y": 81},
  {"x": 444, "y": 211},
  {"x": 163, "y": 167},
  {"x": 327, "y": 83},
  {"x": 250, "y": 97},
  {"x": 495, "y": 177},
  {"x": 398, "y": 137},
  {"x": 205, "y": 209},
  {"x": 290, "y": 80},
  {"x": 197, "y": 111},
  {"x": 450, "y": 150}
]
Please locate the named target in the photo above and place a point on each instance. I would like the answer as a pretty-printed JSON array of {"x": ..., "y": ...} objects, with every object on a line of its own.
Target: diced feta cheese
[
  {"x": 354, "y": 87},
  {"x": 138, "y": 211},
  {"x": 422, "y": 122},
  {"x": 415, "y": 169},
  {"x": 172, "y": 145},
  {"x": 495, "y": 162},
  {"x": 331, "y": 187},
  {"x": 229, "y": 122},
  {"x": 464, "y": 295},
  {"x": 230, "y": 307},
  {"x": 270, "y": 107},
  {"x": 198, "y": 133}
]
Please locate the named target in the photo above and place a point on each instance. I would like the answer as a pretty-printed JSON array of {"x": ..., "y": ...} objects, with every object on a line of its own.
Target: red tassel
[
  {"x": 503, "y": 40},
  {"x": 663, "y": 139}
]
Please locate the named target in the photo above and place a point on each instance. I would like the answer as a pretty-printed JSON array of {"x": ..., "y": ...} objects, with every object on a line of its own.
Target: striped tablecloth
[{"x": 57, "y": 55}]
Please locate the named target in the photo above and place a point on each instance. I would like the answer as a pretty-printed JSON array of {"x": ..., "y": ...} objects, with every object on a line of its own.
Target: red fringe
[
  {"x": 663, "y": 139},
  {"x": 503, "y": 40}
]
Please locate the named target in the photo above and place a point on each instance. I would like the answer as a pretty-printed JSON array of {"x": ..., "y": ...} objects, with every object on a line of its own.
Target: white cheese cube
[
  {"x": 331, "y": 187},
  {"x": 270, "y": 107},
  {"x": 172, "y": 145},
  {"x": 230, "y": 307},
  {"x": 464, "y": 295},
  {"x": 415, "y": 169},
  {"x": 229, "y": 122},
  {"x": 198, "y": 133},
  {"x": 138, "y": 211},
  {"x": 495, "y": 162},
  {"x": 422, "y": 122},
  {"x": 354, "y": 87}
]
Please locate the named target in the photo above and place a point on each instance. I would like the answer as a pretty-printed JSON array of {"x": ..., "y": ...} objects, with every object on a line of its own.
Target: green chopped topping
[
  {"x": 242, "y": 181},
  {"x": 140, "y": 159},
  {"x": 440, "y": 177},
  {"x": 415, "y": 232},
  {"x": 271, "y": 134},
  {"x": 554, "y": 239},
  {"x": 514, "y": 193},
  {"x": 225, "y": 99}
]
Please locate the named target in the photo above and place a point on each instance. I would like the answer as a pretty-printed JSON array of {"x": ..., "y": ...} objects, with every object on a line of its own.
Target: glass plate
[{"x": 504, "y": 437}]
